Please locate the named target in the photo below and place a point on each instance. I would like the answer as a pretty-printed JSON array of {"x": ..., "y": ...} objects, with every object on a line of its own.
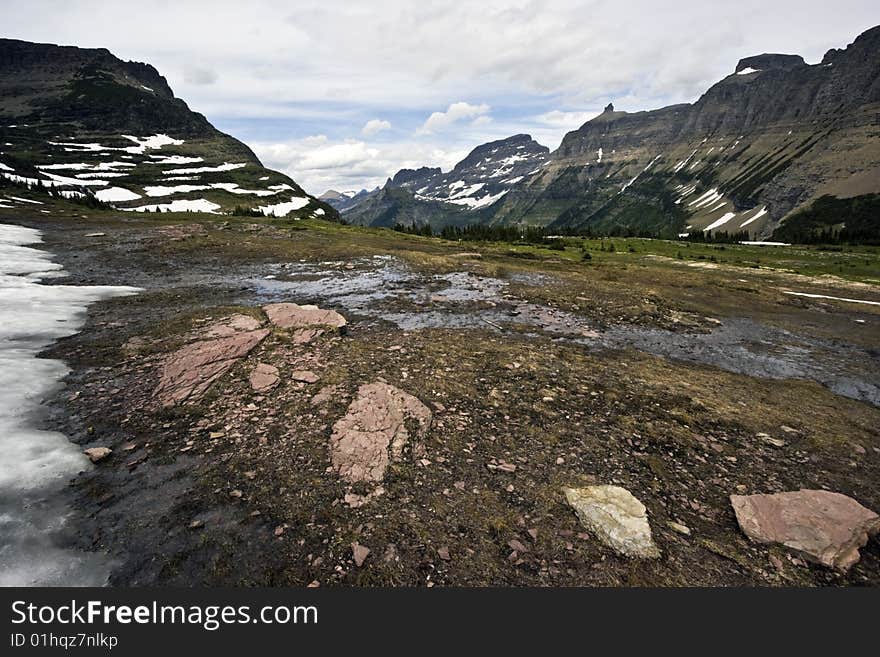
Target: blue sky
[{"x": 343, "y": 94}]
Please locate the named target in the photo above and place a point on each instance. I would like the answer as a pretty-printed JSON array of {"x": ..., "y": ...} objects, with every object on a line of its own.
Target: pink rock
[
  {"x": 189, "y": 372},
  {"x": 374, "y": 432},
  {"x": 823, "y": 526},
  {"x": 292, "y": 315},
  {"x": 304, "y": 375},
  {"x": 360, "y": 553},
  {"x": 263, "y": 377}
]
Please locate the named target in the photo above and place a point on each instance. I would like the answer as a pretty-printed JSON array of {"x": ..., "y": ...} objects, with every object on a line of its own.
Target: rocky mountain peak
[
  {"x": 405, "y": 176},
  {"x": 609, "y": 108},
  {"x": 769, "y": 61}
]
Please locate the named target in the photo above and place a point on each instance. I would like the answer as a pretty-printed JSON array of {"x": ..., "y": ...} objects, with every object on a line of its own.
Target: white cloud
[
  {"x": 456, "y": 112},
  {"x": 374, "y": 126},
  {"x": 199, "y": 76},
  {"x": 565, "y": 120},
  {"x": 318, "y": 163},
  {"x": 272, "y": 75}
]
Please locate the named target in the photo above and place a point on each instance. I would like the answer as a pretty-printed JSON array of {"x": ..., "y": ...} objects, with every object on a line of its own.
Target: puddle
[{"x": 385, "y": 288}]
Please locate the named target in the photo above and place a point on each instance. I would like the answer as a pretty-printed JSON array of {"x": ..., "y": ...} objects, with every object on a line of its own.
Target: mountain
[
  {"x": 344, "y": 200},
  {"x": 89, "y": 124},
  {"x": 757, "y": 147},
  {"x": 487, "y": 174}
]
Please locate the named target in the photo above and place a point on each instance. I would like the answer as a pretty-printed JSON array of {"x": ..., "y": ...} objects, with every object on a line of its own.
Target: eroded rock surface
[
  {"x": 374, "y": 431},
  {"x": 294, "y": 316},
  {"x": 823, "y": 526},
  {"x": 189, "y": 372},
  {"x": 264, "y": 377},
  {"x": 614, "y": 516}
]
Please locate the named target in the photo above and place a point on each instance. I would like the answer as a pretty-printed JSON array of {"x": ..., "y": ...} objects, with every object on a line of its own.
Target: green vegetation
[{"x": 832, "y": 220}]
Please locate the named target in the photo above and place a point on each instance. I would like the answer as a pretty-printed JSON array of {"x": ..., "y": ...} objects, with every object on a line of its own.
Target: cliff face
[{"x": 764, "y": 141}]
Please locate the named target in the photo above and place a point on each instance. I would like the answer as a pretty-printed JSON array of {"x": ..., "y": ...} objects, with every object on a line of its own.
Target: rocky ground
[{"x": 451, "y": 417}]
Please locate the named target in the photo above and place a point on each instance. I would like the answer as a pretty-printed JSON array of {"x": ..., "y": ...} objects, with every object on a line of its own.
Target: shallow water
[
  {"x": 385, "y": 288},
  {"x": 37, "y": 464}
]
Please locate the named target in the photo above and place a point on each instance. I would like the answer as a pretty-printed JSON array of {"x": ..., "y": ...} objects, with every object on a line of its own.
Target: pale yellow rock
[{"x": 614, "y": 516}]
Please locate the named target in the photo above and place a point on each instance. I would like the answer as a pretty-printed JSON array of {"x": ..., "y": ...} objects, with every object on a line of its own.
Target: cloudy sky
[{"x": 343, "y": 94}]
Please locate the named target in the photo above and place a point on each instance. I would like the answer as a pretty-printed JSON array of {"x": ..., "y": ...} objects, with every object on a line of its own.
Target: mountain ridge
[
  {"x": 91, "y": 125},
  {"x": 760, "y": 144}
]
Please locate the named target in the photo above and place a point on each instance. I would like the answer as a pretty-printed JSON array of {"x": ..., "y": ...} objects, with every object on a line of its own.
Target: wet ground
[
  {"x": 632, "y": 376},
  {"x": 386, "y": 288}
]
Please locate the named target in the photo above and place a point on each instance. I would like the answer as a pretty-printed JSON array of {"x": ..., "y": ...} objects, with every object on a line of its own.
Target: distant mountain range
[
  {"x": 89, "y": 124},
  {"x": 759, "y": 146}
]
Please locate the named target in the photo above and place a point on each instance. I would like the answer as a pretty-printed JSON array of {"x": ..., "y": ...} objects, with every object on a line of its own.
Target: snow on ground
[
  {"x": 512, "y": 181},
  {"x": 748, "y": 70},
  {"x": 6, "y": 167},
  {"x": 73, "y": 166},
  {"x": 176, "y": 159},
  {"x": 720, "y": 221},
  {"x": 64, "y": 180},
  {"x": 159, "y": 190},
  {"x": 116, "y": 195},
  {"x": 599, "y": 153},
  {"x": 474, "y": 203},
  {"x": 758, "y": 215},
  {"x": 153, "y": 142},
  {"x": 22, "y": 179},
  {"x": 101, "y": 174},
  {"x": 283, "y": 209},
  {"x": 704, "y": 195},
  {"x": 747, "y": 243},
  {"x": 232, "y": 188},
  {"x": 37, "y": 464},
  {"x": 71, "y": 194},
  {"x": 226, "y": 166},
  {"x": 825, "y": 296},
  {"x": 195, "y": 205}
]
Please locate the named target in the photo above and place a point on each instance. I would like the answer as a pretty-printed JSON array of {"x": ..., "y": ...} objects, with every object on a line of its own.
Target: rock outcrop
[
  {"x": 295, "y": 316},
  {"x": 374, "y": 431},
  {"x": 614, "y": 516},
  {"x": 189, "y": 372},
  {"x": 823, "y": 526}
]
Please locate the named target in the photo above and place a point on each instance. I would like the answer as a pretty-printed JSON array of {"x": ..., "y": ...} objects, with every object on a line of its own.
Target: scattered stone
[
  {"x": 292, "y": 315},
  {"x": 517, "y": 546},
  {"x": 196, "y": 524},
  {"x": 678, "y": 527},
  {"x": 314, "y": 584},
  {"x": 235, "y": 493},
  {"x": 770, "y": 440},
  {"x": 615, "y": 517},
  {"x": 324, "y": 395},
  {"x": 822, "y": 525},
  {"x": 264, "y": 377},
  {"x": 96, "y": 454},
  {"x": 443, "y": 553},
  {"x": 189, "y": 372},
  {"x": 360, "y": 553},
  {"x": 304, "y": 375},
  {"x": 373, "y": 432}
]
